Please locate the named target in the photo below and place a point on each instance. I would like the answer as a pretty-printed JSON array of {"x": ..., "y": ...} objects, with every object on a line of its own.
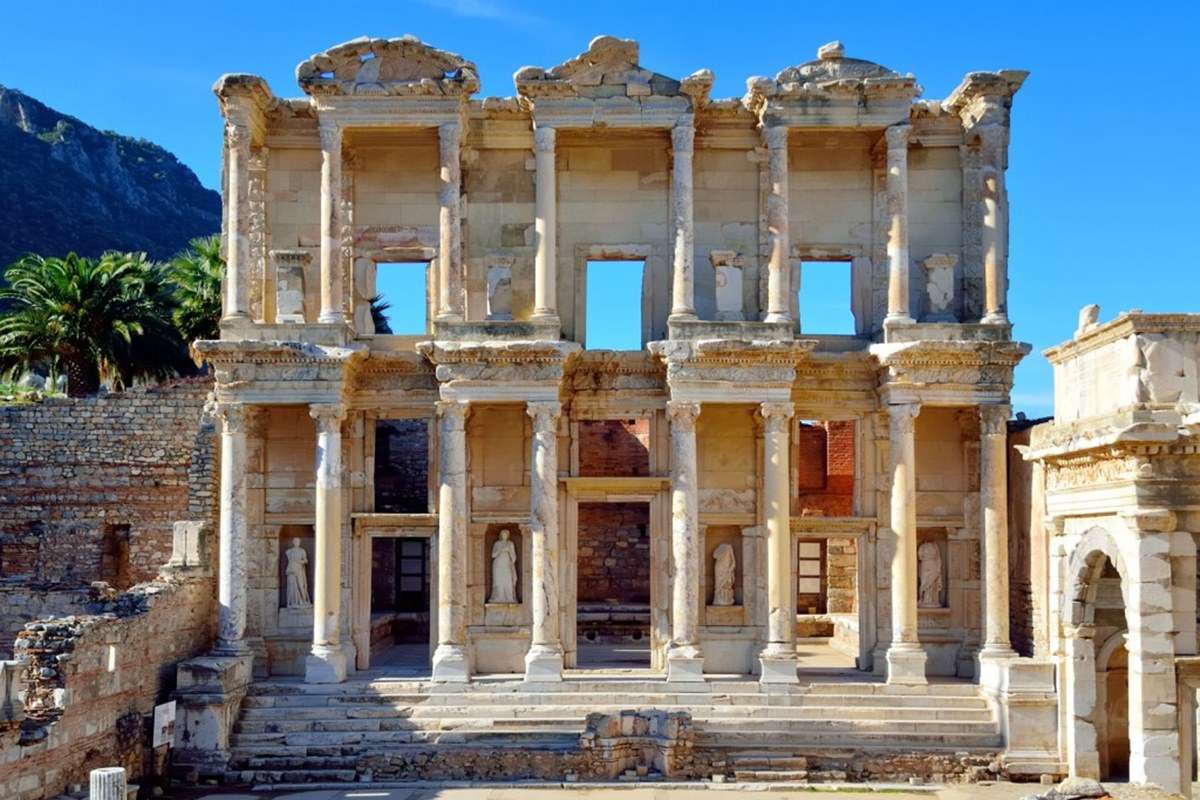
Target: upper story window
[
  {"x": 826, "y": 301},
  {"x": 613, "y": 311}
]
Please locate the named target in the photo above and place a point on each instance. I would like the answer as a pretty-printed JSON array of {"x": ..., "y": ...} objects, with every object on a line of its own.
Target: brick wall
[
  {"x": 614, "y": 552},
  {"x": 614, "y": 447},
  {"x": 73, "y": 469},
  {"x": 93, "y": 682},
  {"x": 825, "y": 467}
]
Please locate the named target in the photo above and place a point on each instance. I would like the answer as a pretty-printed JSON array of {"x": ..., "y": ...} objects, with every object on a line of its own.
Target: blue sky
[{"x": 1105, "y": 131}]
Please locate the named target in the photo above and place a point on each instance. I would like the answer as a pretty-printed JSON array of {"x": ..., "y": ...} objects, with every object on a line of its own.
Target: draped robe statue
[
  {"x": 929, "y": 576},
  {"x": 724, "y": 575},
  {"x": 504, "y": 570},
  {"x": 297, "y": 576}
]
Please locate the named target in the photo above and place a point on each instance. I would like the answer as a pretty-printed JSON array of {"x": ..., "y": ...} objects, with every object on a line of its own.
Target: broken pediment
[
  {"x": 402, "y": 66},
  {"x": 608, "y": 68},
  {"x": 830, "y": 77}
]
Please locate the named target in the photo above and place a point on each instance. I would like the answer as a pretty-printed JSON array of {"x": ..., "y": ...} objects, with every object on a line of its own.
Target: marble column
[
  {"x": 545, "y": 226},
  {"x": 779, "y": 301},
  {"x": 331, "y": 191},
  {"x": 450, "y": 659},
  {"x": 237, "y": 195},
  {"x": 905, "y": 656},
  {"x": 683, "y": 286},
  {"x": 685, "y": 662},
  {"x": 897, "y": 239},
  {"x": 236, "y": 420},
  {"x": 993, "y": 499},
  {"x": 450, "y": 273},
  {"x": 327, "y": 661},
  {"x": 544, "y": 661},
  {"x": 778, "y": 658},
  {"x": 993, "y": 141}
]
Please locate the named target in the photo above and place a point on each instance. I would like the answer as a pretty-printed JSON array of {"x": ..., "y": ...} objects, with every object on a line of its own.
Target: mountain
[{"x": 66, "y": 186}]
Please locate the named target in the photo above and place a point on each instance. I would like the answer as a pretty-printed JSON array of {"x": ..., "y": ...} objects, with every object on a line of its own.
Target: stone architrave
[
  {"x": 504, "y": 570},
  {"x": 778, "y": 658},
  {"x": 685, "y": 662},
  {"x": 905, "y": 656},
  {"x": 724, "y": 575},
  {"x": 544, "y": 661},
  {"x": 450, "y": 661},
  {"x": 327, "y": 662}
]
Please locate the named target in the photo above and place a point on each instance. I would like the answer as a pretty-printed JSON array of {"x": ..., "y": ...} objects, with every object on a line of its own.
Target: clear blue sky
[{"x": 1105, "y": 133}]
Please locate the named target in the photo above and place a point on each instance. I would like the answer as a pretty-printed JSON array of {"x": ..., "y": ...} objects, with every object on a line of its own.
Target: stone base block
[
  {"x": 543, "y": 664},
  {"x": 991, "y": 667},
  {"x": 685, "y": 665},
  {"x": 906, "y": 664},
  {"x": 778, "y": 666},
  {"x": 325, "y": 665},
  {"x": 209, "y": 692},
  {"x": 450, "y": 664}
]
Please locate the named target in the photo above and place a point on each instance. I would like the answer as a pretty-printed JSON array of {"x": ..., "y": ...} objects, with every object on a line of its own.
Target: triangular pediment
[{"x": 401, "y": 66}]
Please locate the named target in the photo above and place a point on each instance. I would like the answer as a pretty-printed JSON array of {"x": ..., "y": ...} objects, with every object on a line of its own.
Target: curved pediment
[
  {"x": 402, "y": 66},
  {"x": 608, "y": 68}
]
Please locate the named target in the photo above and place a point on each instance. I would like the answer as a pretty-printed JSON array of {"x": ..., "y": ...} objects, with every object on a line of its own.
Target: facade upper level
[{"x": 390, "y": 158}]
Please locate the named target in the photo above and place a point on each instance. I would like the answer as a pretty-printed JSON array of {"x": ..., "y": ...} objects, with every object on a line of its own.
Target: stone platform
[{"x": 606, "y": 727}]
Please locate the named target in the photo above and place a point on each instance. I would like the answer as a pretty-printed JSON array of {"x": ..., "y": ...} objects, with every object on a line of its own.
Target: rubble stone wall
[
  {"x": 22, "y": 602},
  {"x": 124, "y": 466},
  {"x": 93, "y": 681},
  {"x": 614, "y": 552}
]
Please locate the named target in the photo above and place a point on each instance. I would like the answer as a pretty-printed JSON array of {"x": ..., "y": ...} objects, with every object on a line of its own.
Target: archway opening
[{"x": 1104, "y": 613}]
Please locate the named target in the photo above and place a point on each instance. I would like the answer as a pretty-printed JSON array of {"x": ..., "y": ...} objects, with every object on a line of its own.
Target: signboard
[{"x": 164, "y": 725}]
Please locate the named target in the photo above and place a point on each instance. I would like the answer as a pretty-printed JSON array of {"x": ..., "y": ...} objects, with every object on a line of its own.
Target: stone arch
[{"x": 1083, "y": 572}]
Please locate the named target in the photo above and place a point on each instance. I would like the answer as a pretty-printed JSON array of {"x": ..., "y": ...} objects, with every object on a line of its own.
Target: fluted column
[
  {"x": 685, "y": 662},
  {"x": 778, "y": 658},
  {"x": 450, "y": 659},
  {"x": 545, "y": 260},
  {"x": 683, "y": 291},
  {"x": 331, "y": 197},
  {"x": 327, "y": 661},
  {"x": 897, "y": 240},
  {"x": 993, "y": 141},
  {"x": 544, "y": 661},
  {"x": 236, "y": 420},
  {"x": 993, "y": 498},
  {"x": 237, "y": 243},
  {"x": 905, "y": 656},
  {"x": 450, "y": 301},
  {"x": 779, "y": 303}
]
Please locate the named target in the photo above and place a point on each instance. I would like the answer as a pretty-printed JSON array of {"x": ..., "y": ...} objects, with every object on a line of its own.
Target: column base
[
  {"x": 906, "y": 664},
  {"x": 685, "y": 664},
  {"x": 994, "y": 318},
  {"x": 450, "y": 664},
  {"x": 777, "y": 664},
  {"x": 898, "y": 319},
  {"x": 776, "y": 318},
  {"x": 235, "y": 648},
  {"x": 990, "y": 663},
  {"x": 325, "y": 664},
  {"x": 544, "y": 664},
  {"x": 682, "y": 316}
]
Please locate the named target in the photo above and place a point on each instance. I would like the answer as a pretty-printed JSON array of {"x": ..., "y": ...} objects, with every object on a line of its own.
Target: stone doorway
[
  {"x": 401, "y": 622},
  {"x": 1112, "y": 695},
  {"x": 613, "y": 578}
]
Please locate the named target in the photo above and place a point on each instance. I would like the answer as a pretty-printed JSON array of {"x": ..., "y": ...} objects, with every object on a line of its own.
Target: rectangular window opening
[
  {"x": 613, "y": 310},
  {"x": 400, "y": 303},
  {"x": 826, "y": 303},
  {"x": 402, "y": 466}
]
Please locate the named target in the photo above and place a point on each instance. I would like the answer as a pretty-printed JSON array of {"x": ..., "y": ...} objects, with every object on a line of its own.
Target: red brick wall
[
  {"x": 614, "y": 552},
  {"x": 614, "y": 447},
  {"x": 825, "y": 467}
]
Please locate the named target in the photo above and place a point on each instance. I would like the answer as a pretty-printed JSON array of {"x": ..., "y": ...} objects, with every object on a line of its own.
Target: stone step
[
  {"x": 930, "y": 689},
  {"x": 765, "y": 761},
  {"x": 808, "y": 740},
  {"x": 770, "y": 775},
  {"x": 969, "y": 714},
  {"x": 484, "y": 730},
  {"x": 266, "y": 776}
]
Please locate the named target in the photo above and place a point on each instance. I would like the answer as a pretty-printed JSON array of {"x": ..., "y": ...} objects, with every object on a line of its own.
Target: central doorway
[
  {"x": 400, "y": 620},
  {"x": 613, "y": 585}
]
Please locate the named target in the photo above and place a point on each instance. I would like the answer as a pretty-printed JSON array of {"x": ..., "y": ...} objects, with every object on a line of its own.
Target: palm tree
[
  {"x": 196, "y": 275},
  {"x": 94, "y": 319}
]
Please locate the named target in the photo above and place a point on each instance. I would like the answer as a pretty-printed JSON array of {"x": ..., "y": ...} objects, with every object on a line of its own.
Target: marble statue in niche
[
  {"x": 297, "y": 576},
  {"x": 929, "y": 575},
  {"x": 724, "y": 575},
  {"x": 504, "y": 570}
]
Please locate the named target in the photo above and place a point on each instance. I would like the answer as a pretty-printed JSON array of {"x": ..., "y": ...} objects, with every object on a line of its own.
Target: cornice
[{"x": 1127, "y": 324}]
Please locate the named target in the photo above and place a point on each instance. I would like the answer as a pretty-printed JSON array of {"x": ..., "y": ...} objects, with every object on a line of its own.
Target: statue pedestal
[{"x": 295, "y": 619}]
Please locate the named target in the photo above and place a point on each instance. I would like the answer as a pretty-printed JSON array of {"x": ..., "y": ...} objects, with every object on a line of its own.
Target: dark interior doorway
[
  {"x": 613, "y": 586},
  {"x": 400, "y": 595}
]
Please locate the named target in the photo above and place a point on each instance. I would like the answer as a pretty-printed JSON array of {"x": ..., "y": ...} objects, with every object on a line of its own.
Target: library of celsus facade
[{"x": 489, "y": 496}]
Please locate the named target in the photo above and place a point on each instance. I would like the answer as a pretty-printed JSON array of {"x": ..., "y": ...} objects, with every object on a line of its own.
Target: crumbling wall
[
  {"x": 74, "y": 470},
  {"x": 92, "y": 682},
  {"x": 614, "y": 552},
  {"x": 22, "y": 602}
]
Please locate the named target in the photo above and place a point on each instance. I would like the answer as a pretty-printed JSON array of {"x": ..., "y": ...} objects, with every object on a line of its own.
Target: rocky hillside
[{"x": 66, "y": 186}]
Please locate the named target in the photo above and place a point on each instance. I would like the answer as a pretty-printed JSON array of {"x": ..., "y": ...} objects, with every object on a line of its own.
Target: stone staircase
[{"x": 385, "y": 730}]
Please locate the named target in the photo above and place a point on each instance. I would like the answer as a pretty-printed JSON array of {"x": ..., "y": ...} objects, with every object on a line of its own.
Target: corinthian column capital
[
  {"x": 237, "y": 417},
  {"x": 329, "y": 416},
  {"x": 683, "y": 414},
  {"x": 545, "y": 414},
  {"x": 775, "y": 416},
  {"x": 543, "y": 139},
  {"x": 993, "y": 419},
  {"x": 776, "y": 137},
  {"x": 903, "y": 417},
  {"x": 453, "y": 413},
  {"x": 897, "y": 136},
  {"x": 683, "y": 137}
]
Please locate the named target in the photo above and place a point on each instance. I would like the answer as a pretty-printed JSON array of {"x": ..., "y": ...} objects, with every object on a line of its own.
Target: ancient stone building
[{"x": 1114, "y": 512}]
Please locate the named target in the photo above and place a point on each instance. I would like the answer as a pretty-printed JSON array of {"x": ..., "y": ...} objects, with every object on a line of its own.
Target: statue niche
[
  {"x": 724, "y": 575},
  {"x": 504, "y": 570},
  {"x": 930, "y": 578}
]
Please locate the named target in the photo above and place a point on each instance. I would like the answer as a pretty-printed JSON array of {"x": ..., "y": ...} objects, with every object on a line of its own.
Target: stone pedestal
[
  {"x": 906, "y": 664},
  {"x": 325, "y": 664},
  {"x": 208, "y": 694}
]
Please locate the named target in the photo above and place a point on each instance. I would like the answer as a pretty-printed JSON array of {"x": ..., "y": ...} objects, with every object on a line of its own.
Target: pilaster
[
  {"x": 450, "y": 660},
  {"x": 685, "y": 662},
  {"x": 544, "y": 661}
]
